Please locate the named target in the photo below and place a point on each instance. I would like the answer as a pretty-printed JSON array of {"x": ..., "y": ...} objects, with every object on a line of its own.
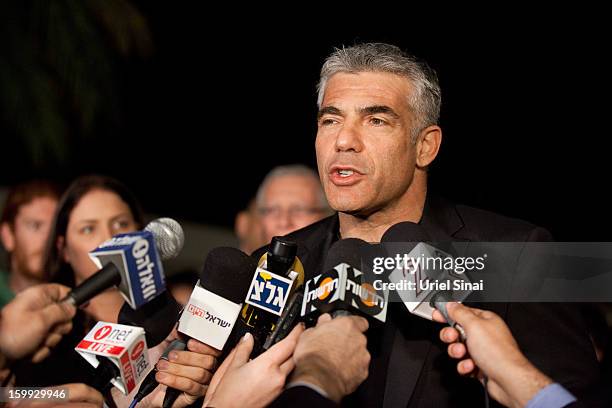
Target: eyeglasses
[{"x": 293, "y": 212}]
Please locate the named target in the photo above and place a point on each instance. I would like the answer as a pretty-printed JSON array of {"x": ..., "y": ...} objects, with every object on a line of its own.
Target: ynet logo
[
  {"x": 137, "y": 351},
  {"x": 102, "y": 332},
  {"x": 269, "y": 291}
]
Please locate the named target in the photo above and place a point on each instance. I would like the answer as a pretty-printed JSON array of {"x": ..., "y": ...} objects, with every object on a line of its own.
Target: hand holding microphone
[
  {"x": 333, "y": 355},
  {"x": 239, "y": 382},
  {"x": 493, "y": 352},
  {"x": 188, "y": 371},
  {"x": 34, "y": 322}
]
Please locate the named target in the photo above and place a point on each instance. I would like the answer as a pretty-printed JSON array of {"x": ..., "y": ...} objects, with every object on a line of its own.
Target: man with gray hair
[
  {"x": 289, "y": 198},
  {"x": 377, "y": 135}
]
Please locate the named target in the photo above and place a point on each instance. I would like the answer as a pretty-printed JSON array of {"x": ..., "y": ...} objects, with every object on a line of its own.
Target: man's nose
[
  {"x": 285, "y": 220},
  {"x": 106, "y": 234},
  {"x": 349, "y": 137}
]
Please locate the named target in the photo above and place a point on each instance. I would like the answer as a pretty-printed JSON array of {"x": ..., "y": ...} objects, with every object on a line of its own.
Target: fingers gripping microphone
[{"x": 132, "y": 263}]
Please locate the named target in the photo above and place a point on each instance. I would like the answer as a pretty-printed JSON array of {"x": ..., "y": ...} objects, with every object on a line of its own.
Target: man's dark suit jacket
[{"x": 410, "y": 366}]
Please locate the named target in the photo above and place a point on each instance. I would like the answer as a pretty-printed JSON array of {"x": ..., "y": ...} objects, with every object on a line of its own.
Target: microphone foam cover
[
  {"x": 349, "y": 251},
  {"x": 227, "y": 272},
  {"x": 405, "y": 232}
]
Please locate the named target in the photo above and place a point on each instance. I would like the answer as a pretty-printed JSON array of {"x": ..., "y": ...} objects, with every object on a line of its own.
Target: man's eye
[
  {"x": 377, "y": 122},
  {"x": 327, "y": 122},
  {"x": 34, "y": 225}
]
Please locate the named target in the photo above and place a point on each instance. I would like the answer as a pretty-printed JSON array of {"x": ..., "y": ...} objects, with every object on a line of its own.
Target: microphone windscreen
[
  {"x": 405, "y": 232},
  {"x": 227, "y": 272},
  {"x": 156, "y": 317},
  {"x": 349, "y": 251},
  {"x": 169, "y": 237}
]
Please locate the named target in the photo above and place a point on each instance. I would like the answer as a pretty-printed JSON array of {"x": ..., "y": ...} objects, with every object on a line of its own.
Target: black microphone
[
  {"x": 343, "y": 289},
  {"x": 131, "y": 262},
  {"x": 269, "y": 291},
  {"x": 215, "y": 302},
  {"x": 157, "y": 318}
]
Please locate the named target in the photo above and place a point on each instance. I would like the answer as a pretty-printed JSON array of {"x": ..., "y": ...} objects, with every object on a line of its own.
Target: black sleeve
[{"x": 301, "y": 396}]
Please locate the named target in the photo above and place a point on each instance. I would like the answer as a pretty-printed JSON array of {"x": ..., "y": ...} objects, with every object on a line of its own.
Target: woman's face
[{"x": 98, "y": 216}]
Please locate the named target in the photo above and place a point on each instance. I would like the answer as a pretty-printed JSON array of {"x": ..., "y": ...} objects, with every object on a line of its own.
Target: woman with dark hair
[{"x": 92, "y": 210}]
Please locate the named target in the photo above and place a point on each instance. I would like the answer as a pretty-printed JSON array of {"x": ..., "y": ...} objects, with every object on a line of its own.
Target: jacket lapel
[{"x": 408, "y": 354}]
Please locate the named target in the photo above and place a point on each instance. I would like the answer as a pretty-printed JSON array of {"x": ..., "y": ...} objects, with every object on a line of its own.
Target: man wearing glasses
[{"x": 289, "y": 198}]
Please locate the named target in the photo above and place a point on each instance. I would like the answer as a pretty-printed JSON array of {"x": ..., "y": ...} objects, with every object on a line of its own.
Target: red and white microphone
[{"x": 118, "y": 352}]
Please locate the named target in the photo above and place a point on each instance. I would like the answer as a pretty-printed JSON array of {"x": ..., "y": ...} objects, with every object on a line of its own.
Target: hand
[
  {"x": 239, "y": 382},
  {"x": 493, "y": 352},
  {"x": 79, "y": 395},
  {"x": 34, "y": 322},
  {"x": 189, "y": 371},
  {"x": 333, "y": 355}
]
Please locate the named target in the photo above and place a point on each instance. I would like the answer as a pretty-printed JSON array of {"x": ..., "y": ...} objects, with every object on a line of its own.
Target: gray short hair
[
  {"x": 426, "y": 99},
  {"x": 291, "y": 170}
]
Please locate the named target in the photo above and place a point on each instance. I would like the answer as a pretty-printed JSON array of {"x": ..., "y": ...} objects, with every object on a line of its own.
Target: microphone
[
  {"x": 287, "y": 321},
  {"x": 278, "y": 274},
  {"x": 131, "y": 262},
  {"x": 157, "y": 318},
  {"x": 215, "y": 302},
  {"x": 422, "y": 300},
  {"x": 118, "y": 352},
  {"x": 343, "y": 289}
]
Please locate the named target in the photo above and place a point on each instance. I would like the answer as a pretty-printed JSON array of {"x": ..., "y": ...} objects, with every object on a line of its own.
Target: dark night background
[{"x": 195, "y": 123}]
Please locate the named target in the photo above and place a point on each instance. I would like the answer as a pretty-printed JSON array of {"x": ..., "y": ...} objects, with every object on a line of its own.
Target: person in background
[
  {"x": 289, "y": 198},
  {"x": 24, "y": 227},
  {"x": 92, "y": 210}
]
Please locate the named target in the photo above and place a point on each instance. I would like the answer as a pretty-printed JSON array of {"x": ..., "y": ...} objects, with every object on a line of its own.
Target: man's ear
[
  {"x": 428, "y": 145},
  {"x": 61, "y": 248},
  {"x": 7, "y": 236}
]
